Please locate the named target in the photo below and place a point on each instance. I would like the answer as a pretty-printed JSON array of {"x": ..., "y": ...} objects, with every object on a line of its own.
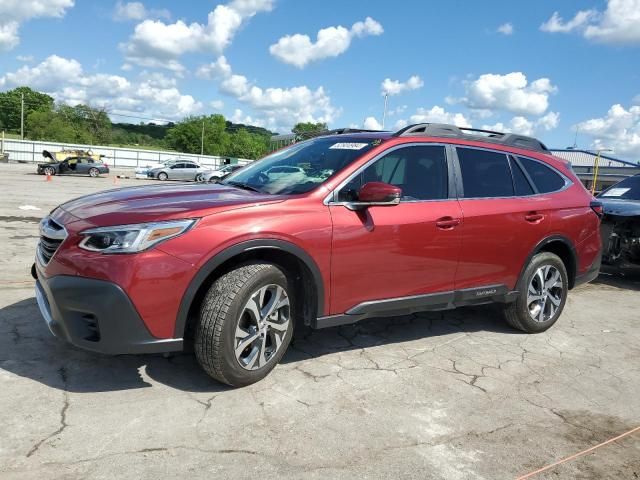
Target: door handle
[
  {"x": 447, "y": 223},
  {"x": 534, "y": 217}
]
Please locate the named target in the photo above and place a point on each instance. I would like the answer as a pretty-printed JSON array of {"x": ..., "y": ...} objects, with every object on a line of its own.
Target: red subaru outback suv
[{"x": 327, "y": 232}]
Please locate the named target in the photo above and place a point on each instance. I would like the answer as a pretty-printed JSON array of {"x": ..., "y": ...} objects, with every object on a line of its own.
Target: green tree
[
  {"x": 244, "y": 144},
  {"x": 10, "y": 106},
  {"x": 187, "y": 135},
  {"x": 308, "y": 127},
  {"x": 50, "y": 126},
  {"x": 92, "y": 125}
]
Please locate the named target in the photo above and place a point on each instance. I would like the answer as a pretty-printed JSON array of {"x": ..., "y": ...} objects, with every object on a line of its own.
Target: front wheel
[
  {"x": 49, "y": 171},
  {"x": 94, "y": 172},
  {"x": 543, "y": 290},
  {"x": 162, "y": 176},
  {"x": 245, "y": 324}
]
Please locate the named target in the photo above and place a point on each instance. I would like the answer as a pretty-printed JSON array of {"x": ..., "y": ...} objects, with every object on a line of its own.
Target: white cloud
[
  {"x": 618, "y": 129},
  {"x": 506, "y": 29},
  {"x": 438, "y": 114},
  {"x": 159, "y": 45},
  {"x": 217, "y": 104},
  {"x": 524, "y": 126},
  {"x": 137, "y": 11},
  {"x": 618, "y": 24},
  {"x": 276, "y": 108},
  {"x": 25, "y": 58},
  {"x": 15, "y": 12},
  {"x": 510, "y": 92},
  {"x": 152, "y": 95},
  {"x": 556, "y": 23},
  {"x": 9, "y": 38},
  {"x": 370, "y": 123},
  {"x": 396, "y": 87},
  {"x": 218, "y": 69},
  {"x": 299, "y": 49}
]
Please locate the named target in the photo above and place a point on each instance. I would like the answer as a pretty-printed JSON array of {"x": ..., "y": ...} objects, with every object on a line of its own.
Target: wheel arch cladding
[
  {"x": 563, "y": 248},
  {"x": 297, "y": 263}
]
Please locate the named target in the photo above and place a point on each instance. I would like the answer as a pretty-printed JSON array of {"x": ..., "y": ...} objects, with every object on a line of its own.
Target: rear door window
[
  {"x": 485, "y": 174},
  {"x": 545, "y": 179}
]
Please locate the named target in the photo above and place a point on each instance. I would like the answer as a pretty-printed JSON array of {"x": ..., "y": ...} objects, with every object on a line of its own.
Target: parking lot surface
[{"x": 452, "y": 395}]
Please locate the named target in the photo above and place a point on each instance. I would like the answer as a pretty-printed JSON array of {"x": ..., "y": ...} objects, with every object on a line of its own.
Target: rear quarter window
[{"x": 545, "y": 178}]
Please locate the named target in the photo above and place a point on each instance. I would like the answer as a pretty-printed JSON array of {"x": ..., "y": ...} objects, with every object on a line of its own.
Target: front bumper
[{"x": 96, "y": 315}]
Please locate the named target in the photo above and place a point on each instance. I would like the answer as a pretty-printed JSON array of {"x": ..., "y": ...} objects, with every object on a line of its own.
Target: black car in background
[
  {"x": 620, "y": 227},
  {"x": 79, "y": 165}
]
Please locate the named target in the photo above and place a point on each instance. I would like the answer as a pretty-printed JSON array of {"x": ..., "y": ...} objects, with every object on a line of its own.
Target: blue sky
[{"x": 541, "y": 68}]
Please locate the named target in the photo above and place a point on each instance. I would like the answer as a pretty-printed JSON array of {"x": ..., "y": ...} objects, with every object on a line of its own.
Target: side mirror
[{"x": 376, "y": 194}]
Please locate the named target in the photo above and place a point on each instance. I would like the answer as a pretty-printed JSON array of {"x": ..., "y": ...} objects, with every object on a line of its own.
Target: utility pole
[
  {"x": 202, "y": 140},
  {"x": 384, "y": 113},
  {"x": 22, "y": 116}
]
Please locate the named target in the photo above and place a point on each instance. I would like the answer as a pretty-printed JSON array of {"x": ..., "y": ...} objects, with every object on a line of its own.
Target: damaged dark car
[{"x": 620, "y": 226}]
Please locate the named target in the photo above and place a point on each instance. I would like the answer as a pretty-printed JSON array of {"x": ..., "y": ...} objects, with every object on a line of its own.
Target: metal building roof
[{"x": 585, "y": 158}]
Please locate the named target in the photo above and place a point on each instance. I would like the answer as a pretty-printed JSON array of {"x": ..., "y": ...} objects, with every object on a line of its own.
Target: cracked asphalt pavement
[{"x": 453, "y": 395}]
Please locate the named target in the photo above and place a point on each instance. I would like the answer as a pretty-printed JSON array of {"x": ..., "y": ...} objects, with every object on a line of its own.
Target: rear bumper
[{"x": 96, "y": 315}]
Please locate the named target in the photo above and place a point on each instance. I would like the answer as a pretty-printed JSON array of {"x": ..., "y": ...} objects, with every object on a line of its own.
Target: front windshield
[
  {"x": 627, "y": 189},
  {"x": 301, "y": 167}
]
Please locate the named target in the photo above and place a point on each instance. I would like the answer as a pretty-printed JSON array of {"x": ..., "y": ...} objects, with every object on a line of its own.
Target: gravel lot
[{"x": 452, "y": 395}]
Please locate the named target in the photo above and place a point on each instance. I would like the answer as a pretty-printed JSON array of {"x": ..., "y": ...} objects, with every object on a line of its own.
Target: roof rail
[
  {"x": 335, "y": 131},
  {"x": 452, "y": 131}
]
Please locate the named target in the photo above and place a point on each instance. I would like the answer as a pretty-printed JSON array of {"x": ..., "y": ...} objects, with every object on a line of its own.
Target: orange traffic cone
[{"x": 48, "y": 179}]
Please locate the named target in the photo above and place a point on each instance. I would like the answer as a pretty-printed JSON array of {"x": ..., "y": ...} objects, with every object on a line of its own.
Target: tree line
[{"x": 46, "y": 120}]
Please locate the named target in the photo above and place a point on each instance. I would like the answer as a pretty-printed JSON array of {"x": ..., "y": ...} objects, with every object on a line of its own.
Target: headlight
[{"x": 132, "y": 238}]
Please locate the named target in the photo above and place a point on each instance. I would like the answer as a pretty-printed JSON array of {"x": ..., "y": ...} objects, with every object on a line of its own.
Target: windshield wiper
[{"x": 244, "y": 186}]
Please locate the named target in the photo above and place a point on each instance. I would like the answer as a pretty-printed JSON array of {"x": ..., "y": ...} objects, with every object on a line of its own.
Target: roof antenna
[{"x": 575, "y": 139}]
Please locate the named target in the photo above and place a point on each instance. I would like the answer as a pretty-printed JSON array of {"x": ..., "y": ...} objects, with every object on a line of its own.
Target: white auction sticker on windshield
[
  {"x": 615, "y": 192},
  {"x": 348, "y": 146}
]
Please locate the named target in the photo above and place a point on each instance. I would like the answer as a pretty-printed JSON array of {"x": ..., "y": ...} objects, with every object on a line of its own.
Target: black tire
[
  {"x": 214, "y": 180},
  {"x": 49, "y": 171},
  {"x": 94, "y": 172},
  {"x": 518, "y": 314},
  {"x": 162, "y": 176},
  {"x": 198, "y": 178},
  {"x": 221, "y": 312}
]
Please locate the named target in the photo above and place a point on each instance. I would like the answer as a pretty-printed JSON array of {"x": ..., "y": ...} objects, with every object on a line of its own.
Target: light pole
[
  {"x": 22, "y": 116},
  {"x": 384, "y": 113},
  {"x": 202, "y": 140}
]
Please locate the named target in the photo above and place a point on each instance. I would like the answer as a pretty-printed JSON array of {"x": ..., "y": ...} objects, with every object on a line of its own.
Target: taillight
[{"x": 597, "y": 208}]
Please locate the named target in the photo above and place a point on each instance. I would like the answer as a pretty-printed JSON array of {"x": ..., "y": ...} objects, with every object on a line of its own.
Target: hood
[
  {"x": 161, "y": 202},
  {"x": 623, "y": 208}
]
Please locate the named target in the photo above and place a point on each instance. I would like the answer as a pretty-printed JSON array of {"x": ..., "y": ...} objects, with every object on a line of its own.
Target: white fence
[{"x": 31, "y": 151}]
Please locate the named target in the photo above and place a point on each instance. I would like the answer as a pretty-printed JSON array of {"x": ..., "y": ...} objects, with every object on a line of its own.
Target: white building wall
[{"x": 31, "y": 151}]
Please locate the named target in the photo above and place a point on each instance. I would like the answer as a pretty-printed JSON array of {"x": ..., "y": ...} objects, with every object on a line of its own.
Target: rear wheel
[
  {"x": 542, "y": 291},
  {"x": 245, "y": 324},
  {"x": 198, "y": 178},
  {"x": 162, "y": 176},
  {"x": 94, "y": 172}
]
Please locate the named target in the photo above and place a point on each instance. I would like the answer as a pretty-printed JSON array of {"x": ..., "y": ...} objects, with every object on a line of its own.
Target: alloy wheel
[
  {"x": 262, "y": 327},
  {"x": 545, "y": 293}
]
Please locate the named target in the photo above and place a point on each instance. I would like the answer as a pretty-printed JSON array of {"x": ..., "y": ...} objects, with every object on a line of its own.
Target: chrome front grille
[{"x": 52, "y": 234}]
